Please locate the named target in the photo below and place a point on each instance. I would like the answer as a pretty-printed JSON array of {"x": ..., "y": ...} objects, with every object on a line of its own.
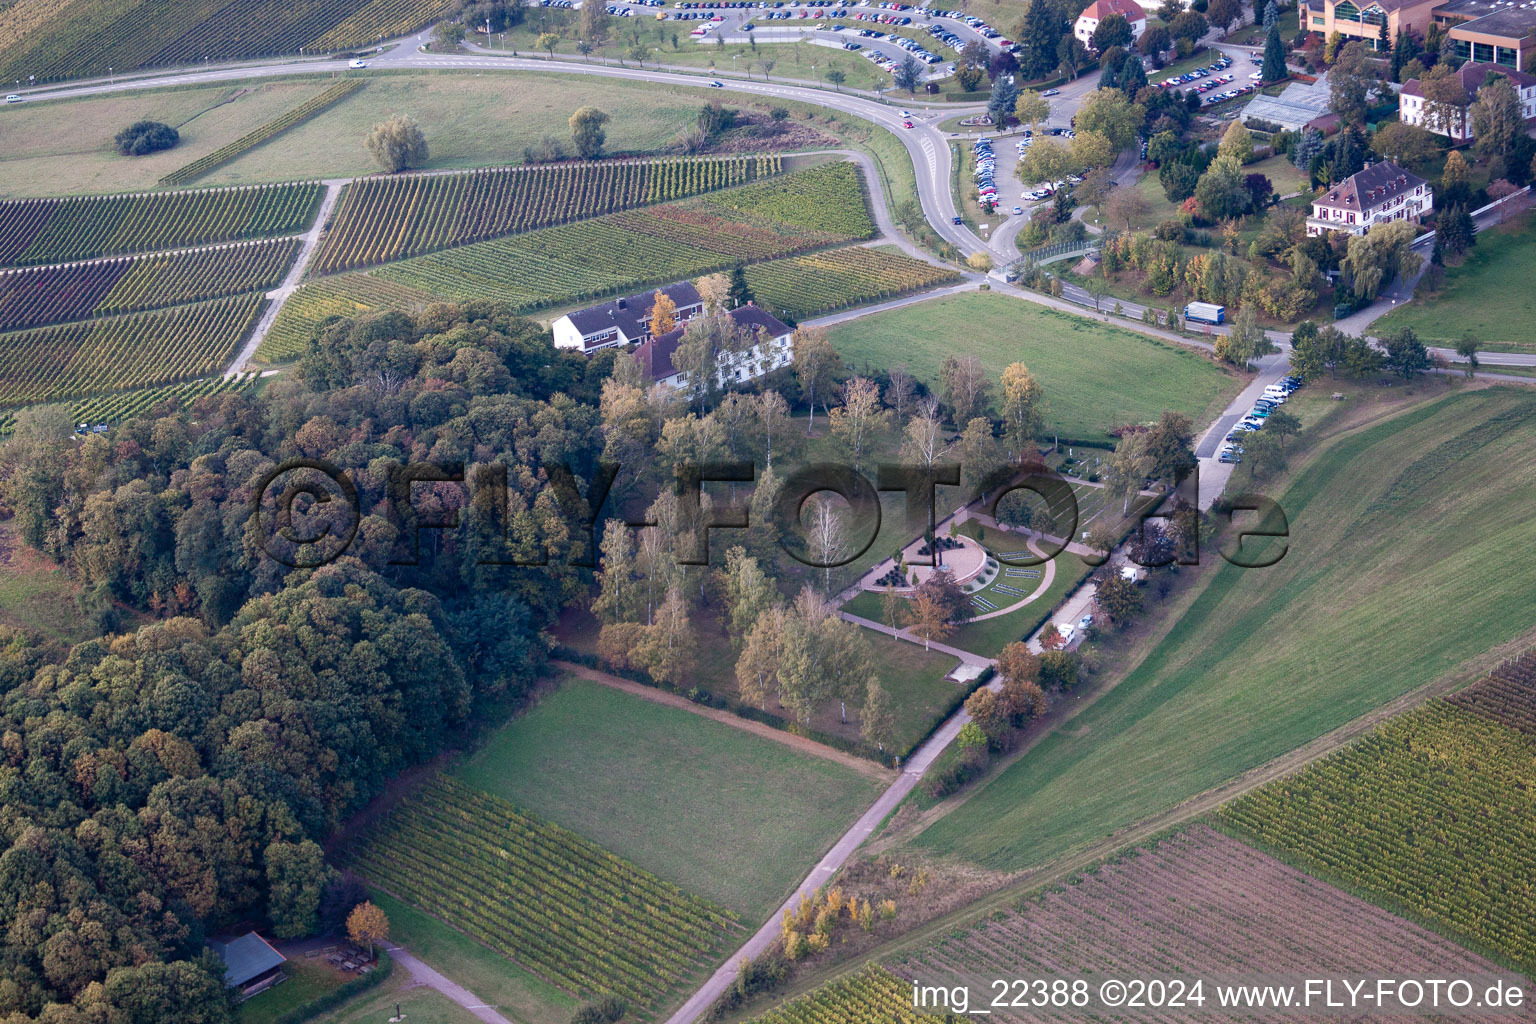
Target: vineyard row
[
  {"x": 119, "y": 353},
  {"x": 43, "y": 231},
  {"x": 36, "y": 296},
  {"x": 391, "y": 218}
]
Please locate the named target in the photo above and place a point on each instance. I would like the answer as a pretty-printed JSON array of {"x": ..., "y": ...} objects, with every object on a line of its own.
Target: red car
[{"x": 906, "y": 124}]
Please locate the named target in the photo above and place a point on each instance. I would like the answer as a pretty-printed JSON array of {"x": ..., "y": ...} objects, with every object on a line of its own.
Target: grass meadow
[
  {"x": 1408, "y": 555},
  {"x": 1488, "y": 296},
  {"x": 730, "y": 816},
  {"x": 1095, "y": 376}
]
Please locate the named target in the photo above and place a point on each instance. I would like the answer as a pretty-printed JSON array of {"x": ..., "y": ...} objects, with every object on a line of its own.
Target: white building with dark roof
[
  {"x": 623, "y": 321},
  {"x": 765, "y": 344},
  {"x": 1457, "y": 124},
  {"x": 1382, "y": 192}
]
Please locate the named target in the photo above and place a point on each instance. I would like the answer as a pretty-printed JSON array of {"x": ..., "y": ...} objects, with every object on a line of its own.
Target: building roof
[
  {"x": 1508, "y": 21},
  {"x": 1472, "y": 77},
  {"x": 1296, "y": 105},
  {"x": 1522, "y": 12},
  {"x": 246, "y": 958},
  {"x": 1101, "y": 9},
  {"x": 1370, "y": 188},
  {"x": 655, "y": 354},
  {"x": 630, "y": 313}
]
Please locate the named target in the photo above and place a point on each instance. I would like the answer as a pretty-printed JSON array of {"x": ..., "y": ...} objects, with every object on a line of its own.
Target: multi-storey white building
[
  {"x": 1380, "y": 193},
  {"x": 1457, "y": 123},
  {"x": 765, "y": 344}
]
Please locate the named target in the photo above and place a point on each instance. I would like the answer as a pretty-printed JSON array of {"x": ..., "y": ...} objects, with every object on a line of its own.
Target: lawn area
[
  {"x": 518, "y": 994},
  {"x": 39, "y": 159},
  {"x": 1280, "y": 171},
  {"x": 307, "y": 980},
  {"x": 1489, "y": 295},
  {"x": 989, "y": 636},
  {"x": 36, "y": 595},
  {"x": 472, "y": 119},
  {"x": 730, "y": 816},
  {"x": 1420, "y": 518},
  {"x": 1095, "y": 376},
  {"x": 420, "y": 1005}
]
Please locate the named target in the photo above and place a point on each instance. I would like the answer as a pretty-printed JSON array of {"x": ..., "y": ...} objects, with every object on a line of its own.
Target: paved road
[
  {"x": 828, "y": 866},
  {"x": 424, "y": 975}
]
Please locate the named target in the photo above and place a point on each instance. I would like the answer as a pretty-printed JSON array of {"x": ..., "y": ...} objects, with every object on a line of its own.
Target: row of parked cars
[
  {"x": 1273, "y": 398},
  {"x": 981, "y": 27},
  {"x": 1222, "y": 63},
  {"x": 986, "y": 171}
]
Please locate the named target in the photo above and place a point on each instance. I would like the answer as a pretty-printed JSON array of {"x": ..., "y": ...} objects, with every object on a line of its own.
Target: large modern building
[
  {"x": 1363, "y": 19},
  {"x": 1499, "y": 32},
  {"x": 1481, "y": 31},
  {"x": 1380, "y": 193},
  {"x": 1101, "y": 9},
  {"x": 625, "y": 321},
  {"x": 1411, "y": 108},
  {"x": 764, "y": 344}
]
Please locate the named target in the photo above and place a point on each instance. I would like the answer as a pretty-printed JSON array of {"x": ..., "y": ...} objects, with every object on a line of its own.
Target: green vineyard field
[
  {"x": 574, "y": 263},
  {"x": 38, "y": 231},
  {"x": 829, "y": 197},
  {"x": 1433, "y": 814},
  {"x": 806, "y": 286},
  {"x": 54, "y": 39},
  {"x": 582, "y": 917},
  {"x": 872, "y": 996},
  {"x": 106, "y": 410},
  {"x": 271, "y": 130},
  {"x": 390, "y": 218},
  {"x": 381, "y": 19},
  {"x": 35, "y": 296},
  {"x": 119, "y": 353},
  {"x": 345, "y": 295}
]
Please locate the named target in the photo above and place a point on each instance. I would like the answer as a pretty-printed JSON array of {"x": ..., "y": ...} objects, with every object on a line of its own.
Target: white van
[{"x": 13, "y": 98}]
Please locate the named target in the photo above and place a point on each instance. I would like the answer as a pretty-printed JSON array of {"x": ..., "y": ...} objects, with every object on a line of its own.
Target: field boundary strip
[{"x": 267, "y": 132}]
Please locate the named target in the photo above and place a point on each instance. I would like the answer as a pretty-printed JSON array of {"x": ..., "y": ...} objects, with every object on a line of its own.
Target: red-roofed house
[
  {"x": 1101, "y": 9},
  {"x": 1380, "y": 193}
]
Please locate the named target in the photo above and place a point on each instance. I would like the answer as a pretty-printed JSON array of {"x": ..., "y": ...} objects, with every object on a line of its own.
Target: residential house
[
  {"x": 1101, "y": 9},
  {"x": 1457, "y": 124},
  {"x": 1380, "y": 193},
  {"x": 623, "y": 321},
  {"x": 251, "y": 965},
  {"x": 764, "y": 344}
]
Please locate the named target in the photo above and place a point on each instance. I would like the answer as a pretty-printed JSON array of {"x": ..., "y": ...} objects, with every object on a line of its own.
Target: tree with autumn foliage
[{"x": 367, "y": 924}]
